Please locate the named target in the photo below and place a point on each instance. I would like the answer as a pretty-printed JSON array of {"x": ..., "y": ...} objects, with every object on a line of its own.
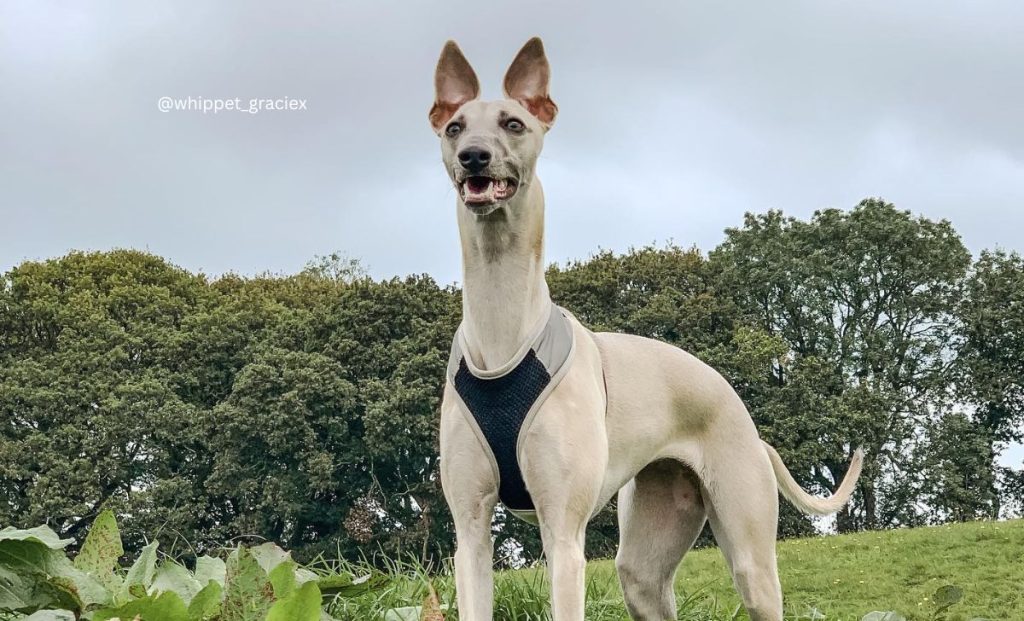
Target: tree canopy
[{"x": 302, "y": 409}]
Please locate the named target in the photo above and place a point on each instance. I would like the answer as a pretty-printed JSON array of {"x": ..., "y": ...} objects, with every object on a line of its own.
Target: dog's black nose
[{"x": 474, "y": 159}]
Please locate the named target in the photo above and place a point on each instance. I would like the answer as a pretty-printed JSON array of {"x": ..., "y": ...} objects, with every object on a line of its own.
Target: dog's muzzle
[{"x": 482, "y": 191}]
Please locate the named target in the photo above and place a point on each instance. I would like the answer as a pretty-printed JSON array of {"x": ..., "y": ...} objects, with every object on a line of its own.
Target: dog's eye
[
  {"x": 514, "y": 125},
  {"x": 453, "y": 130}
]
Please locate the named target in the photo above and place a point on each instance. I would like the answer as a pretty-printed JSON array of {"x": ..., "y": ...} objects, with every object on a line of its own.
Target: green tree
[
  {"x": 327, "y": 440},
  {"x": 663, "y": 293},
  {"x": 864, "y": 301},
  {"x": 961, "y": 477},
  {"x": 303, "y": 409},
  {"x": 276, "y": 407},
  {"x": 276, "y": 439},
  {"x": 992, "y": 353},
  {"x": 393, "y": 338},
  {"x": 335, "y": 266},
  {"x": 87, "y": 414}
]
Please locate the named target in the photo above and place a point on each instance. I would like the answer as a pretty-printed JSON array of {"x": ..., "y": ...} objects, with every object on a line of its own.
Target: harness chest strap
[{"x": 500, "y": 405}]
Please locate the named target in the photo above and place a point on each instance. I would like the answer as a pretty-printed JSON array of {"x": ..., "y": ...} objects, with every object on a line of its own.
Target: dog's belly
[
  {"x": 661, "y": 403},
  {"x": 626, "y": 402}
]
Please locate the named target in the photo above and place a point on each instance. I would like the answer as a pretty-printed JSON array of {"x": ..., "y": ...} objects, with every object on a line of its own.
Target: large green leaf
[
  {"x": 30, "y": 591},
  {"x": 26, "y": 555},
  {"x": 405, "y": 613},
  {"x": 101, "y": 550},
  {"x": 84, "y": 587},
  {"x": 279, "y": 566},
  {"x": 40, "y": 562},
  {"x": 302, "y": 605},
  {"x": 207, "y": 602},
  {"x": 210, "y": 568},
  {"x": 283, "y": 579},
  {"x": 269, "y": 556},
  {"x": 248, "y": 592},
  {"x": 163, "y": 607},
  {"x": 22, "y": 591},
  {"x": 140, "y": 575},
  {"x": 172, "y": 577},
  {"x": 39, "y": 534},
  {"x": 51, "y": 615},
  {"x": 303, "y": 575},
  {"x": 65, "y": 594}
]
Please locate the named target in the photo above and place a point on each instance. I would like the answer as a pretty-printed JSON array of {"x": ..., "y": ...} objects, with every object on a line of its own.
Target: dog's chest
[{"x": 501, "y": 404}]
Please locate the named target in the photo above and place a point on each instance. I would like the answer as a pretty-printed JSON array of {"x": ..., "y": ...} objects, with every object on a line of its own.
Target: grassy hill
[
  {"x": 842, "y": 577},
  {"x": 847, "y": 576}
]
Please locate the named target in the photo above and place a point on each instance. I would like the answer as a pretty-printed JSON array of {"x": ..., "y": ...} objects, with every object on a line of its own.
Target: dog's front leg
[
  {"x": 474, "y": 574},
  {"x": 565, "y": 469},
  {"x": 563, "y": 537},
  {"x": 471, "y": 490}
]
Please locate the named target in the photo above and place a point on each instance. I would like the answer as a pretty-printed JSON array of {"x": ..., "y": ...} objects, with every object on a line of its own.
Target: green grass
[
  {"x": 843, "y": 577},
  {"x": 847, "y": 576}
]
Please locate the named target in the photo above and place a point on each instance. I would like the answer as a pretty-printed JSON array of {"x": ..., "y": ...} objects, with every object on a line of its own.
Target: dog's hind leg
[
  {"x": 661, "y": 513},
  {"x": 743, "y": 507}
]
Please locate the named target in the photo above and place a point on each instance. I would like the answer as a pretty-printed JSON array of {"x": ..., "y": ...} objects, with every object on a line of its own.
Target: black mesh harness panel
[{"x": 501, "y": 405}]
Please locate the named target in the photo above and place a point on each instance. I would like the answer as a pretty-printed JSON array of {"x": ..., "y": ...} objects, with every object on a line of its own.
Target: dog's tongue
[
  {"x": 479, "y": 185},
  {"x": 483, "y": 189}
]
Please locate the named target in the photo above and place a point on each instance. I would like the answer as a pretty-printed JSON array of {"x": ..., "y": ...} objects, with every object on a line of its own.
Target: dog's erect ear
[
  {"x": 526, "y": 81},
  {"x": 455, "y": 83}
]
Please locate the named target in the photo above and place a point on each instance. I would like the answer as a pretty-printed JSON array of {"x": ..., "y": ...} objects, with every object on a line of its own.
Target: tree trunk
[
  {"x": 991, "y": 462},
  {"x": 870, "y": 505},
  {"x": 846, "y": 521}
]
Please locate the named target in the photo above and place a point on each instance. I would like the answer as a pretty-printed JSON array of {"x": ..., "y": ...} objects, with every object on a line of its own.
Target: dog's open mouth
[{"x": 478, "y": 191}]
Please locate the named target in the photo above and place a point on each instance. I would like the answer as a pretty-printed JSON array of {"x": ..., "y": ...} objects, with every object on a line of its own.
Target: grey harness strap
[{"x": 500, "y": 404}]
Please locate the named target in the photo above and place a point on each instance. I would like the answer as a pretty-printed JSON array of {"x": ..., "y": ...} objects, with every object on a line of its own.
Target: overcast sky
[{"x": 676, "y": 118}]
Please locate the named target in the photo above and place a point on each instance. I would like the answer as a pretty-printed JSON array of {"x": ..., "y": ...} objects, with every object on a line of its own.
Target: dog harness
[{"x": 500, "y": 404}]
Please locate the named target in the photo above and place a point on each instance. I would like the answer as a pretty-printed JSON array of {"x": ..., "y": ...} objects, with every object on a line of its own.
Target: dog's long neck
[{"x": 504, "y": 294}]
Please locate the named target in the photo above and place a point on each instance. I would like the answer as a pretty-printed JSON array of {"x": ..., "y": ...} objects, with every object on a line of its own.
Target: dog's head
[{"x": 490, "y": 147}]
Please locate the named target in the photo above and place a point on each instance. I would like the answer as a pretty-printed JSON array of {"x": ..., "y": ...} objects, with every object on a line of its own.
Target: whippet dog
[{"x": 552, "y": 419}]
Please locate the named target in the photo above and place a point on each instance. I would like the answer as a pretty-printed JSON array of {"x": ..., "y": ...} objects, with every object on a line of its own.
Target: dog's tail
[{"x": 807, "y": 503}]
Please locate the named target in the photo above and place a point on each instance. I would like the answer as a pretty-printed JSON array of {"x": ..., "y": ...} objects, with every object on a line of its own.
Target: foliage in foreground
[
  {"x": 38, "y": 582},
  {"x": 905, "y": 575}
]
